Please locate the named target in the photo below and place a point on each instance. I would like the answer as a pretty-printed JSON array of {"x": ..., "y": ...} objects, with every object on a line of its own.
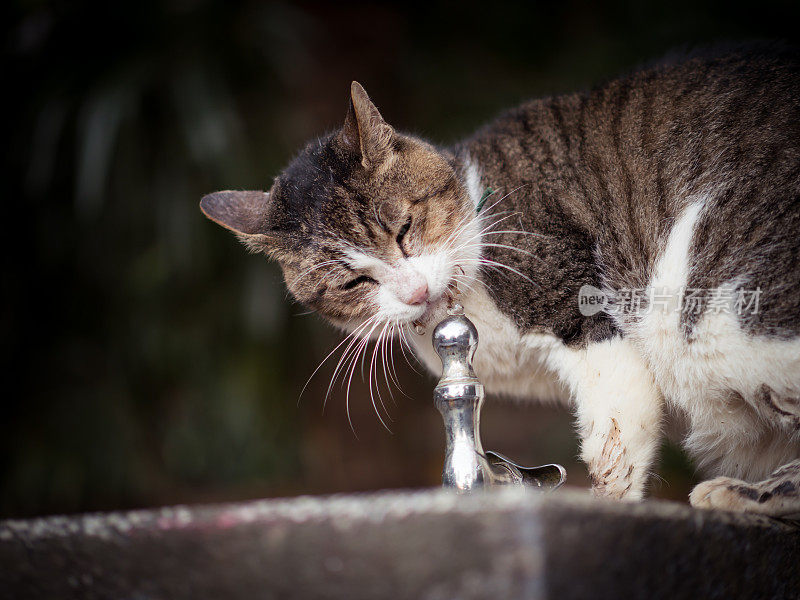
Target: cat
[{"x": 632, "y": 251}]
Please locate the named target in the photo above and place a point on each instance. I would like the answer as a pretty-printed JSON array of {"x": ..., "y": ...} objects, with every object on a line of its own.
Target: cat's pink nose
[{"x": 419, "y": 295}]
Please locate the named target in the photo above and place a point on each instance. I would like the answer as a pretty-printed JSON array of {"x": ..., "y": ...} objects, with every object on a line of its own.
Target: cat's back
[
  {"x": 679, "y": 124},
  {"x": 641, "y": 144},
  {"x": 605, "y": 175}
]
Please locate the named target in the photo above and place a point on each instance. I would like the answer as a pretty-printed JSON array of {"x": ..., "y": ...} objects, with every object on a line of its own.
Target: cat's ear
[
  {"x": 365, "y": 132},
  {"x": 248, "y": 214}
]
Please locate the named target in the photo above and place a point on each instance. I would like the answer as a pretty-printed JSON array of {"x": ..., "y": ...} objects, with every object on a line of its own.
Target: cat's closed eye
[
  {"x": 402, "y": 233},
  {"x": 358, "y": 281}
]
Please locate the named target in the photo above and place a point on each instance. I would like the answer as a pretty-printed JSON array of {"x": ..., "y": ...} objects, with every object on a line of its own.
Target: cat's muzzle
[{"x": 459, "y": 397}]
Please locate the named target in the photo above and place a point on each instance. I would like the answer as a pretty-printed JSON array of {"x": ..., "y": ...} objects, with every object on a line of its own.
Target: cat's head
[{"x": 366, "y": 223}]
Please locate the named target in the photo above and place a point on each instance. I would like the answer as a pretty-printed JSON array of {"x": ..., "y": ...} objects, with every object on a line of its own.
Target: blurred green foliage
[{"x": 148, "y": 358}]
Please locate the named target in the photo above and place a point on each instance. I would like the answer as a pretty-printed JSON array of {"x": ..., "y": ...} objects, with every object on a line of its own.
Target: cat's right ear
[
  {"x": 246, "y": 213},
  {"x": 364, "y": 132}
]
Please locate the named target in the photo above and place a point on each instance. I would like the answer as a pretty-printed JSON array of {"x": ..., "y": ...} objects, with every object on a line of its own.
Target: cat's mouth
[
  {"x": 431, "y": 308},
  {"x": 436, "y": 308}
]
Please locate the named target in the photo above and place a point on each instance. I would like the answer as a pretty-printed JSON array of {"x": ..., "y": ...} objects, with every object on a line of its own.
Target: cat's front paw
[
  {"x": 776, "y": 496},
  {"x": 723, "y": 493},
  {"x": 612, "y": 472}
]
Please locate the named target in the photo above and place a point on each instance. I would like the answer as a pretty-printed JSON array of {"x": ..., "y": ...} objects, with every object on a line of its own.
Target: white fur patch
[
  {"x": 672, "y": 270},
  {"x": 473, "y": 181},
  {"x": 714, "y": 376}
]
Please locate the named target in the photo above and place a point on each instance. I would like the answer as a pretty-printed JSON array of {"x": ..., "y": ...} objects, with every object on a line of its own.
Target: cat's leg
[
  {"x": 619, "y": 411},
  {"x": 776, "y": 496}
]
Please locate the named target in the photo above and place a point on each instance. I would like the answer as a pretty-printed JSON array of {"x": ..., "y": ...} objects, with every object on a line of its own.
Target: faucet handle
[{"x": 546, "y": 477}]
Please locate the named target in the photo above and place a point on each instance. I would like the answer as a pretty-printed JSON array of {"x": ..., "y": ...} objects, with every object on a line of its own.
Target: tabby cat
[{"x": 633, "y": 250}]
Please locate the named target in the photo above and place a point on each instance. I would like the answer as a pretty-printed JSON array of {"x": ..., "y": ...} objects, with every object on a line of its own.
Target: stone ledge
[{"x": 428, "y": 544}]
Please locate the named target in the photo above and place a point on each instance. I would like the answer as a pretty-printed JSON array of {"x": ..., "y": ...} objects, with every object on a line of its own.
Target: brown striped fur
[{"x": 605, "y": 173}]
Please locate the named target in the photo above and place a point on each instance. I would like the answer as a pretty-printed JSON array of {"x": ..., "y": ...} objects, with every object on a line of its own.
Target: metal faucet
[{"x": 459, "y": 396}]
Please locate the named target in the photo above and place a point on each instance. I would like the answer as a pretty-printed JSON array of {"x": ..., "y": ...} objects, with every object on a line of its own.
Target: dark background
[{"x": 148, "y": 359}]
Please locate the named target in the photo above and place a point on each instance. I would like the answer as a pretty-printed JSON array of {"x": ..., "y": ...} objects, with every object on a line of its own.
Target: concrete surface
[{"x": 428, "y": 544}]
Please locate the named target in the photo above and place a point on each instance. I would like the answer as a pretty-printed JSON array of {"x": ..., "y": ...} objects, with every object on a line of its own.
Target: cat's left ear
[
  {"x": 365, "y": 132},
  {"x": 246, "y": 213}
]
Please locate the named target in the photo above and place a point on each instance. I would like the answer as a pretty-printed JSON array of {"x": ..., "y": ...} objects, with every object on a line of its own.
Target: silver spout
[{"x": 459, "y": 397}]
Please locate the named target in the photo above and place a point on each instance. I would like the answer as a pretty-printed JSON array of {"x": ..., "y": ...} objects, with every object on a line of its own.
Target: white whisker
[
  {"x": 360, "y": 350},
  {"x": 373, "y": 372},
  {"x": 404, "y": 343},
  {"x": 312, "y": 269},
  {"x": 506, "y": 246},
  {"x": 343, "y": 358},
  {"x": 339, "y": 345},
  {"x": 494, "y": 264},
  {"x": 516, "y": 232}
]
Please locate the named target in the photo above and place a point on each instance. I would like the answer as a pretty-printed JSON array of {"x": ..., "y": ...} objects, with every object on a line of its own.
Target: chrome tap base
[{"x": 459, "y": 397}]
